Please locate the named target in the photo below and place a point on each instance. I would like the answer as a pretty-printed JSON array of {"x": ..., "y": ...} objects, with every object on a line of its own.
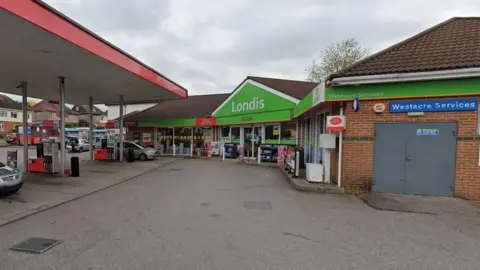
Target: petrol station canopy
[{"x": 39, "y": 45}]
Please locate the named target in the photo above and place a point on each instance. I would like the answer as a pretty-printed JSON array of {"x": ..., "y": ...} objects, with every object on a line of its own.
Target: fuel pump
[{"x": 47, "y": 160}]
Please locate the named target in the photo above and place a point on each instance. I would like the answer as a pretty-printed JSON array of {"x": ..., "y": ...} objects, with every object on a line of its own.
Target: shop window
[
  {"x": 225, "y": 132},
  {"x": 235, "y": 133},
  {"x": 183, "y": 137},
  {"x": 289, "y": 130},
  {"x": 272, "y": 132}
]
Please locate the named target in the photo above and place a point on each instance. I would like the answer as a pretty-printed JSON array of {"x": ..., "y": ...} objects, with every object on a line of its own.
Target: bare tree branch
[{"x": 335, "y": 57}]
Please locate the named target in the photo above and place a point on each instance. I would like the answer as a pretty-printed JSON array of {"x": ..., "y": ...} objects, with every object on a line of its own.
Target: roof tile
[{"x": 452, "y": 44}]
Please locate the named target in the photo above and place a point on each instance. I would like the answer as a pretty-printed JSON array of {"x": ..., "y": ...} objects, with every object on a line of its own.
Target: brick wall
[{"x": 358, "y": 147}]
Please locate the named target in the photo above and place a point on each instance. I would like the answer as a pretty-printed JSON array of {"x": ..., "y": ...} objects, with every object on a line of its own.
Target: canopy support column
[
  {"x": 25, "y": 125},
  {"x": 121, "y": 128},
  {"x": 61, "y": 81},
  {"x": 90, "y": 131}
]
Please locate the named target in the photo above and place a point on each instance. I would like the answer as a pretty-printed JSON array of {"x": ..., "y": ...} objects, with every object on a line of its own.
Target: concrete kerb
[
  {"x": 50, "y": 206},
  {"x": 315, "y": 188}
]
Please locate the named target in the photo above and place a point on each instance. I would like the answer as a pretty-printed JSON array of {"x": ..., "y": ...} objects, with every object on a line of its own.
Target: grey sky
[{"x": 211, "y": 46}]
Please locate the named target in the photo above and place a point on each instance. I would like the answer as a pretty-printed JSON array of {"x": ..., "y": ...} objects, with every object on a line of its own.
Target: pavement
[
  {"x": 203, "y": 214},
  {"x": 41, "y": 192}
]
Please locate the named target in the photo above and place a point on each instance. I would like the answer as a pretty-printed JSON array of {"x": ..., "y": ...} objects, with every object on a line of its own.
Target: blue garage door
[{"x": 415, "y": 158}]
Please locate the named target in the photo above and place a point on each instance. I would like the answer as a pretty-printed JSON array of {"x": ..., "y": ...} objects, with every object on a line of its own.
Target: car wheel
[
  {"x": 143, "y": 157},
  {"x": 80, "y": 149}
]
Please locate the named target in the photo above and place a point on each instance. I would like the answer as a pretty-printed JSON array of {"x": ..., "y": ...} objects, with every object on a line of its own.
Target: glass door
[{"x": 252, "y": 138}]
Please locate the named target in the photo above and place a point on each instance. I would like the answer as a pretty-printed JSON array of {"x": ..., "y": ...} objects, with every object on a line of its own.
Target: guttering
[{"x": 409, "y": 77}]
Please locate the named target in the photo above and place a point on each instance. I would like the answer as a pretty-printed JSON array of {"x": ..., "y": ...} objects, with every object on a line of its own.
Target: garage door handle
[{"x": 408, "y": 158}]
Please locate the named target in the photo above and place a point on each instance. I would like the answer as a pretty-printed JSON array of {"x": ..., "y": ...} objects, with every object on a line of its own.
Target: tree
[{"x": 335, "y": 57}]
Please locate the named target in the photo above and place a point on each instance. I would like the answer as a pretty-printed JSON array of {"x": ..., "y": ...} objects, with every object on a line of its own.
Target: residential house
[
  {"x": 50, "y": 110},
  {"x": 11, "y": 114},
  {"x": 83, "y": 111}
]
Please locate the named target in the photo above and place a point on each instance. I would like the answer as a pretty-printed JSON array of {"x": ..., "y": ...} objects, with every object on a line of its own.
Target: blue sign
[
  {"x": 356, "y": 105},
  {"x": 20, "y": 130},
  {"x": 428, "y": 132},
  {"x": 445, "y": 105}
]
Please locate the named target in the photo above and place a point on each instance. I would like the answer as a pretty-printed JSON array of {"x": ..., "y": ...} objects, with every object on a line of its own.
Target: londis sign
[{"x": 255, "y": 104}]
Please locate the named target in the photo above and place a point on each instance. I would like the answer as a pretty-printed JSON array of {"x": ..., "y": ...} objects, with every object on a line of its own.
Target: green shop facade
[{"x": 260, "y": 111}]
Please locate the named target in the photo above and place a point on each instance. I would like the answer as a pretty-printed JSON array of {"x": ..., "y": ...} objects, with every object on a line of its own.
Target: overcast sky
[{"x": 210, "y": 46}]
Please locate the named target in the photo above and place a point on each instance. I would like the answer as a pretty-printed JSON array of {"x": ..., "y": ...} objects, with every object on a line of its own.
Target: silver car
[
  {"x": 11, "y": 180},
  {"x": 78, "y": 145},
  {"x": 140, "y": 152}
]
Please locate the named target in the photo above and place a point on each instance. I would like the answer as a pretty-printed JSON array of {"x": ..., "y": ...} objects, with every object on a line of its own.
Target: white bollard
[
  {"x": 258, "y": 151},
  {"x": 297, "y": 164},
  {"x": 223, "y": 153}
]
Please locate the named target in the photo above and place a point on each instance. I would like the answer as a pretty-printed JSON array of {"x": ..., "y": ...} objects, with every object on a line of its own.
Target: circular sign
[
  {"x": 356, "y": 105},
  {"x": 379, "y": 108},
  {"x": 336, "y": 121}
]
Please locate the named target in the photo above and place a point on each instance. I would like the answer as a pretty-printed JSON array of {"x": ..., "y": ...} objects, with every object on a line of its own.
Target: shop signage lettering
[
  {"x": 343, "y": 96},
  {"x": 428, "y": 132},
  {"x": 467, "y": 104},
  {"x": 255, "y": 104}
]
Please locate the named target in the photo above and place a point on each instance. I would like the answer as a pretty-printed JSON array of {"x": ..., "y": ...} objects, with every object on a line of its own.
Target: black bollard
[
  {"x": 75, "y": 171},
  {"x": 131, "y": 155}
]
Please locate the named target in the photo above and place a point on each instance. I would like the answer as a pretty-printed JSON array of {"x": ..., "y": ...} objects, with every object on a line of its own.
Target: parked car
[
  {"x": 140, "y": 152},
  {"x": 78, "y": 145},
  {"x": 11, "y": 137},
  {"x": 11, "y": 179}
]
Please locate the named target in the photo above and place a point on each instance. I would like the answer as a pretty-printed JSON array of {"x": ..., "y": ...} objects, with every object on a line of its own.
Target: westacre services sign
[{"x": 446, "y": 105}]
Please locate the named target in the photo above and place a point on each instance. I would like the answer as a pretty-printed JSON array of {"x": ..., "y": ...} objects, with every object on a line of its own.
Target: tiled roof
[
  {"x": 84, "y": 109},
  {"x": 192, "y": 107},
  {"x": 296, "y": 89},
  {"x": 453, "y": 44},
  {"x": 8, "y": 103},
  {"x": 49, "y": 106}
]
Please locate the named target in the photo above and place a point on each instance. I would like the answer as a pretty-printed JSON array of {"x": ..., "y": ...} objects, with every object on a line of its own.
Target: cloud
[{"x": 211, "y": 46}]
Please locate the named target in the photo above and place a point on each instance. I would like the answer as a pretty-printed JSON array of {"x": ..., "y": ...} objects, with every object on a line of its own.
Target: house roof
[
  {"x": 49, "y": 106},
  {"x": 453, "y": 44},
  {"x": 84, "y": 109},
  {"x": 192, "y": 107},
  {"x": 7, "y": 103},
  {"x": 296, "y": 89}
]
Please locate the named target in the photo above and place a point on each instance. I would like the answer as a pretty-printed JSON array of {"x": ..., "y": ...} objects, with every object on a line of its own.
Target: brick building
[{"x": 415, "y": 126}]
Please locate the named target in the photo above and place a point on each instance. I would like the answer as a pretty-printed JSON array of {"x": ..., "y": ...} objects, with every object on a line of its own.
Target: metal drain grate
[
  {"x": 259, "y": 205},
  {"x": 36, "y": 245},
  {"x": 175, "y": 170}
]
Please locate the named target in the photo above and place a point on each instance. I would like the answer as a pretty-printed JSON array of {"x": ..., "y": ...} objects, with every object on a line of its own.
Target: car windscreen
[{"x": 138, "y": 146}]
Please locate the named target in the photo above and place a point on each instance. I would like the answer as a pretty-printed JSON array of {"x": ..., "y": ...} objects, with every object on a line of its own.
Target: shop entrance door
[
  {"x": 252, "y": 139},
  {"x": 415, "y": 158}
]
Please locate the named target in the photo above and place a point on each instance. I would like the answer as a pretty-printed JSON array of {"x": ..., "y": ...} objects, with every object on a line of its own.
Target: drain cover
[
  {"x": 257, "y": 205},
  {"x": 175, "y": 170},
  {"x": 36, "y": 245}
]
